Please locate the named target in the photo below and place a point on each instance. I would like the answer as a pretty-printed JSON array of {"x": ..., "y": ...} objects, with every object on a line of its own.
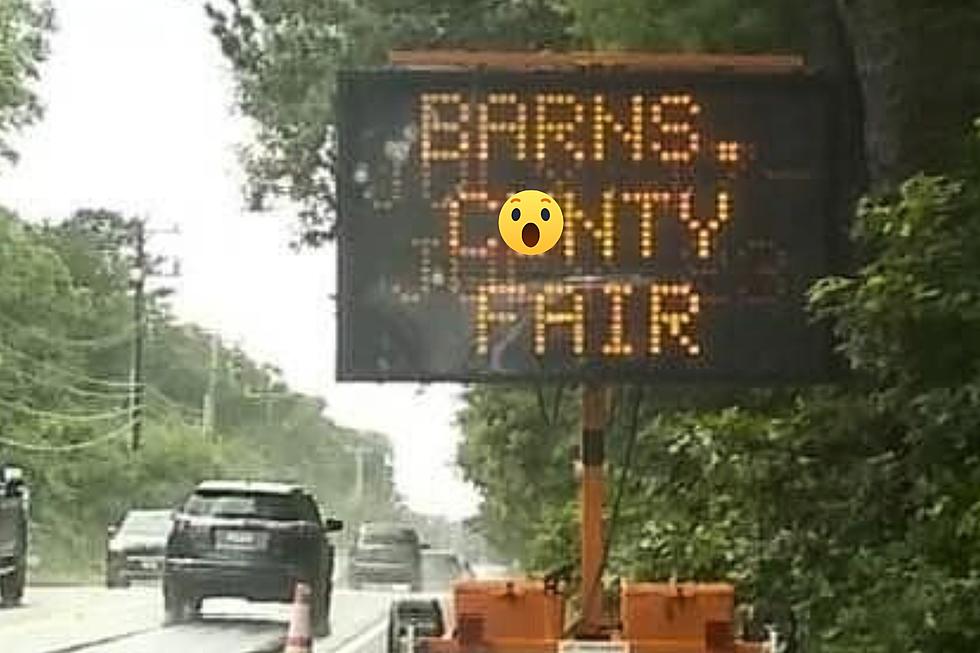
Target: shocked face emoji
[{"x": 530, "y": 222}]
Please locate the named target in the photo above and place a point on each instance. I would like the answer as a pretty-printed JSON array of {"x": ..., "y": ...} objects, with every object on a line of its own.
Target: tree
[
  {"x": 24, "y": 29},
  {"x": 846, "y": 513},
  {"x": 65, "y": 340},
  {"x": 698, "y": 26},
  {"x": 286, "y": 56},
  {"x": 885, "y": 54},
  {"x": 521, "y": 464},
  {"x": 918, "y": 64}
]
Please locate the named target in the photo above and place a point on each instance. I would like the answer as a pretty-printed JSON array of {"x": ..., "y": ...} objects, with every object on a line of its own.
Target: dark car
[
  {"x": 134, "y": 549},
  {"x": 13, "y": 534},
  {"x": 248, "y": 540},
  {"x": 422, "y": 616},
  {"x": 388, "y": 554}
]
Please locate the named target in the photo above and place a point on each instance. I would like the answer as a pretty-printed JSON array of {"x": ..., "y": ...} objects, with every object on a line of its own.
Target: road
[{"x": 98, "y": 620}]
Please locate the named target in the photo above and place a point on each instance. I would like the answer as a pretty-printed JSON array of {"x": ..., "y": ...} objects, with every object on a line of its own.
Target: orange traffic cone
[{"x": 298, "y": 639}]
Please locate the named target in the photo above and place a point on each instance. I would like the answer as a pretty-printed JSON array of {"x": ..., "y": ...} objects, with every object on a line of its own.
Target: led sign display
[{"x": 697, "y": 211}]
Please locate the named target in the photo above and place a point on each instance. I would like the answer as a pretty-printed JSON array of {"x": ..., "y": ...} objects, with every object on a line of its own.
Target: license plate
[
  {"x": 241, "y": 540},
  {"x": 583, "y": 646},
  {"x": 149, "y": 565}
]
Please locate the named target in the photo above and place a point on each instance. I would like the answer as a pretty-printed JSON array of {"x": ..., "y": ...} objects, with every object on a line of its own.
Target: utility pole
[
  {"x": 143, "y": 267},
  {"x": 207, "y": 412},
  {"x": 359, "y": 478},
  {"x": 595, "y": 415},
  {"x": 138, "y": 280},
  {"x": 267, "y": 398},
  {"x": 360, "y": 452}
]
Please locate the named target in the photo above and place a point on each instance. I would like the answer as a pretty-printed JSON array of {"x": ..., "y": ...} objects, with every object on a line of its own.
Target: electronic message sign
[{"x": 697, "y": 211}]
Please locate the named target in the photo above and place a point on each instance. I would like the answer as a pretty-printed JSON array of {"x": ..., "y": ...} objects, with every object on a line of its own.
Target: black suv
[
  {"x": 250, "y": 540},
  {"x": 13, "y": 534},
  {"x": 386, "y": 553}
]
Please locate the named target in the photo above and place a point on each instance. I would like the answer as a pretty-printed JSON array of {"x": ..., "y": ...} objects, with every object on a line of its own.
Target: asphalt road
[{"x": 99, "y": 620}]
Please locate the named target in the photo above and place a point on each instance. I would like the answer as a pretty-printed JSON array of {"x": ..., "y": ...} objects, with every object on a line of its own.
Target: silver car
[{"x": 135, "y": 547}]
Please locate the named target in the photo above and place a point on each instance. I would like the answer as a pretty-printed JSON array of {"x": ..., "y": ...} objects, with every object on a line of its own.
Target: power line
[
  {"x": 153, "y": 391},
  {"x": 81, "y": 376},
  {"x": 161, "y": 414},
  {"x": 64, "y": 417},
  {"x": 65, "y": 448},
  {"x": 188, "y": 412},
  {"x": 41, "y": 334},
  {"x": 58, "y": 386}
]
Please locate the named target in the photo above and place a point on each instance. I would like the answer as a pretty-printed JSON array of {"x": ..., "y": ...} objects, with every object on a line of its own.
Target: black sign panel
[{"x": 697, "y": 212}]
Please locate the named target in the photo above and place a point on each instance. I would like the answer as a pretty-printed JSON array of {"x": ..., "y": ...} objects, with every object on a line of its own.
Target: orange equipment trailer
[{"x": 528, "y": 616}]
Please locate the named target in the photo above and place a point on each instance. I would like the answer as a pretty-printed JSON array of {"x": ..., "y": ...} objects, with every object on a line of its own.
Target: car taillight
[
  {"x": 200, "y": 535},
  {"x": 187, "y": 531},
  {"x": 296, "y": 531}
]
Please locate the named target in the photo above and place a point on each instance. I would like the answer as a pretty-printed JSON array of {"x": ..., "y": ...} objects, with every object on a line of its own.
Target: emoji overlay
[{"x": 530, "y": 222}]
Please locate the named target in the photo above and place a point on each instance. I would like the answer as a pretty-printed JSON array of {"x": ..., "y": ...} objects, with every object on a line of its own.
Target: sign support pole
[{"x": 594, "y": 418}]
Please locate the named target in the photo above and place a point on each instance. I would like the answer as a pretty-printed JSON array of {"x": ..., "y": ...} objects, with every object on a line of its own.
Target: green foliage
[
  {"x": 523, "y": 465},
  {"x": 75, "y": 497},
  {"x": 24, "y": 29},
  {"x": 286, "y": 55},
  {"x": 696, "y": 26},
  {"x": 913, "y": 309},
  {"x": 65, "y": 345},
  {"x": 849, "y": 515}
]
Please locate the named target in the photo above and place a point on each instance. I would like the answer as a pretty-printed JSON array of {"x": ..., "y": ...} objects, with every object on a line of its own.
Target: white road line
[
  {"x": 96, "y": 643},
  {"x": 355, "y": 643}
]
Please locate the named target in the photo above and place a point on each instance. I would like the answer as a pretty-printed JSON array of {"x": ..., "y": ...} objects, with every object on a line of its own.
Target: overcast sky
[{"x": 140, "y": 120}]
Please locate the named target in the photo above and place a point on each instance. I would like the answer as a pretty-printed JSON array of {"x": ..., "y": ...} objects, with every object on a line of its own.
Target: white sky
[{"x": 139, "y": 119}]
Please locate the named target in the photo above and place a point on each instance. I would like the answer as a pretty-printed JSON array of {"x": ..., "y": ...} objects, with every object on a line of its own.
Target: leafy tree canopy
[
  {"x": 25, "y": 26},
  {"x": 286, "y": 56},
  {"x": 832, "y": 509},
  {"x": 847, "y": 514},
  {"x": 66, "y": 337}
]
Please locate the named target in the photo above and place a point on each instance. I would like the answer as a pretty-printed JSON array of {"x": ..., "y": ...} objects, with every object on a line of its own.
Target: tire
[
  {"x": 392, "y": 643},
  {"x": 194, "y": 608},
  {"x": 114, "y": 578},
  {"x": 178, "y": 606},
  {"x": 173, "y": 605},
  {"x": 320, "y": 610},
  {"x": 12, "y": 585}
]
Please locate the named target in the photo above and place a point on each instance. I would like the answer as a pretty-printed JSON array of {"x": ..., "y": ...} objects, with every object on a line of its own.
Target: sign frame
[{"x": 640, "y": 371}]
